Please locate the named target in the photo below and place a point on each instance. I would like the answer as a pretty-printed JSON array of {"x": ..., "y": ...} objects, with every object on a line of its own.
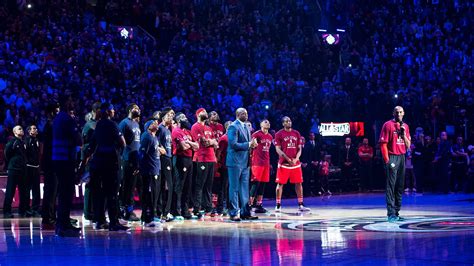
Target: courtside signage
[
  {"x": 334, "y": 129},
  {"x": 341, "y": 129}
]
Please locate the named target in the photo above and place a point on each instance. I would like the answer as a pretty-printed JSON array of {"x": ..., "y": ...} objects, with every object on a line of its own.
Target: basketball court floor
[{"x": 344, "y": 230}]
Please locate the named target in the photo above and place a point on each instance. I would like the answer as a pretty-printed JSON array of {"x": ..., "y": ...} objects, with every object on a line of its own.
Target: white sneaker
[
  {"x": 302, "y": 208},
  {"x": 123, "y": 222},
  {"x": 407, "y": 190},
  {"x": 278, "y": 208},
  {"x": 168, "y": 218}
]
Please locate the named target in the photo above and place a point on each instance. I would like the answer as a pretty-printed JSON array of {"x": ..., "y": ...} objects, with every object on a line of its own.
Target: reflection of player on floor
[
  {"x": 260, "y": 165},
  {"x": 288, "y": 147},
  {"x": 289, "y": 248}
]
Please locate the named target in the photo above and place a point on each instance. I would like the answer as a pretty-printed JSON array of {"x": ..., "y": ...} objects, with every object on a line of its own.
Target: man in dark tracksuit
[
  {"x": 394, "y": 141},
  {"x": 130, "y": 130},
  {"x": 15, "y": 156},
  {"x": 66, "y": 142},
  {"x": 150, "y": 170},
  {"x": 105, "y": 144},
  {"x": 87, "y": 134},
  {"x": 48, "y": 208},
  {"x": 32, "y": 168},
  {"x": 164, "y": 139}
]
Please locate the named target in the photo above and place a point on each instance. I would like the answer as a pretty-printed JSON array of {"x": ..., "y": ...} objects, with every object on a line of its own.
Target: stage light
[
  {"x": 395, "y": 96},
  {"x": 331, "y": 39},
  {"x": 267, "y": 107},
  {"x": 322, "y": 30},
  {"x": 124, "y": 33},
  {"x": 341, "y": 30},
  {"x": 29, "y": 6}
]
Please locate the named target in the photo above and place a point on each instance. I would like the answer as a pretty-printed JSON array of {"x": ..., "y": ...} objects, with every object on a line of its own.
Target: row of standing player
[{"x": 165, "y": 154}]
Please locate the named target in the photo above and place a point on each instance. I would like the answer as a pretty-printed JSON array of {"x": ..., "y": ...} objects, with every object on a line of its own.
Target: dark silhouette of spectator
[
  {"x": 443, "y": 159},
  {"x": 366, "y": 154},
  {"x": 460, "y": 159},
  {"x": 310, "y": 163}
]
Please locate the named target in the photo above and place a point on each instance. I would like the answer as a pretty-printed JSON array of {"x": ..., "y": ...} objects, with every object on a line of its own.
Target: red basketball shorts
[
  {"x": 261, "y": 173},
  {"x": 293, "y": 173}
]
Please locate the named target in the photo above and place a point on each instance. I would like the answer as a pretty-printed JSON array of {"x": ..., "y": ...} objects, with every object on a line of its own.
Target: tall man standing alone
[{"x": 394, "y": 141}]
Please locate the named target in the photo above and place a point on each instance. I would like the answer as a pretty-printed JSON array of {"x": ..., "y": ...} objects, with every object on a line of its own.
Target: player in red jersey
[
  {"x": 260, "y": 165},
  {"x": 288, "y": 147},
  {"x": 218, "y": 130},
  {"x": 214, "y": 124},
  {"x": 183, "y": 146},
  {"x": 394, "y": 141},
  {"x": 205, "y": 159},
  {"x": 221, "y": 184}
]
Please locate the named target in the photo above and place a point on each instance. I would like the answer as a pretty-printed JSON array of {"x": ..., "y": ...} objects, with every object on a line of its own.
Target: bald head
[
  {"x": 18, "y": 131},
  {"x": 286, "y": 121},
  {"x": 240, "y": 110},
  {"x": 398, "y": 113},
  {"x": 397, "y": 108},
  {"x": 241, "y": 114}
]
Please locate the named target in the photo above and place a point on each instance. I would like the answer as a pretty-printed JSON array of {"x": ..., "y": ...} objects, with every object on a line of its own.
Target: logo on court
[{"x": 380, "y": 224}]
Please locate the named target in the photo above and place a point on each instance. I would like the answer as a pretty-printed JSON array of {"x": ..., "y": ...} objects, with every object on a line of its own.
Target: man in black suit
[
  {"x": 347, "y": 161},
  {"x": 310, "y": 163}
]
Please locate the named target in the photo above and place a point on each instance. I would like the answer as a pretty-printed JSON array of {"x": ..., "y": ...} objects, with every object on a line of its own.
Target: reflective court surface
[{"x": 343, "y": 230}]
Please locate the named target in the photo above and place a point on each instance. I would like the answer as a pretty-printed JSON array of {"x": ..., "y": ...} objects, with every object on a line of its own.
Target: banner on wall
[{"x": 342, "y": 129}]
